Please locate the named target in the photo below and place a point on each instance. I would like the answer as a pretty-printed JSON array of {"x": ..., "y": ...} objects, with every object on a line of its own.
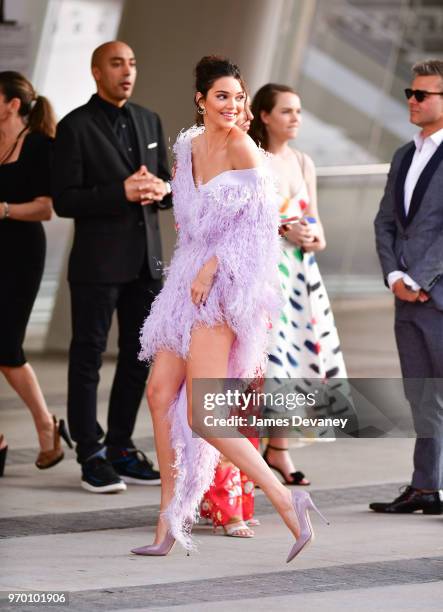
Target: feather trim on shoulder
[{"x": 186, "y": 135}]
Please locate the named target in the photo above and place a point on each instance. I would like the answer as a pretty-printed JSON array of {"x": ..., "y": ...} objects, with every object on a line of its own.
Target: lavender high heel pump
[
  {"x": 302, "y": 503},
  {"x": 157, "y": 550}
]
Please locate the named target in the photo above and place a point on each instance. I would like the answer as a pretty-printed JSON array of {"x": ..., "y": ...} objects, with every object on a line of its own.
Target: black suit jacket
[{"x": 112, "y": 236}]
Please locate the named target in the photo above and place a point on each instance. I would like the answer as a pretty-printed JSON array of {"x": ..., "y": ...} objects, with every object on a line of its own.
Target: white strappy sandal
[{"x": 234, "y": 530}]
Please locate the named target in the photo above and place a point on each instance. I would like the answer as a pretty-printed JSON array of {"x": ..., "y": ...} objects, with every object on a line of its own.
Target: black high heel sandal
[
  {"x": 3, "y": 453},
  {"x": 298, "y": 478}
]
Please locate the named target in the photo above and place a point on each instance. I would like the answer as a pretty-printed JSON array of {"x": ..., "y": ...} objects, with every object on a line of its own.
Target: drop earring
[{"x": 201, "y": 110}]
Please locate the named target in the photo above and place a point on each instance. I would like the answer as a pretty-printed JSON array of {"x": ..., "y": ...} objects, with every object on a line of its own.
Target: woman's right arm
[
  {"x": 38, "y": 209},
  {"x": 243, "y": 154},
  {"x": 299, "y": 234},
  {"x": 202, "y": 283},
  {"x": 311, "y": 181}
]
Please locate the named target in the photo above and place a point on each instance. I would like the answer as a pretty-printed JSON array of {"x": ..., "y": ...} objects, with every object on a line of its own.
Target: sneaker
[
  {"x": 134, "y": 467},
  {"x": 98, "y": 476}
]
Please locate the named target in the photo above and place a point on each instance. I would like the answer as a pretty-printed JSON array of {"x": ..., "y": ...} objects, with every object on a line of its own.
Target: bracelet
[
  {"x": 168, "y": 187},
  {"x": 5, "y": 210}
]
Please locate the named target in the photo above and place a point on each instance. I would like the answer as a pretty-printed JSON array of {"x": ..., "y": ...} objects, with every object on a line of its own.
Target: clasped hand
[
  {"x": 402, "y": 292},
  {"x": 303, "y": 235},
  {"x": 144, "y": 187},
  {"x": 202, "y": 283}
]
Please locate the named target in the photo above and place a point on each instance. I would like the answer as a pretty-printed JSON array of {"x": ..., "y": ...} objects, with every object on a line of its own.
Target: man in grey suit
[{"x": 409, "y": 237}]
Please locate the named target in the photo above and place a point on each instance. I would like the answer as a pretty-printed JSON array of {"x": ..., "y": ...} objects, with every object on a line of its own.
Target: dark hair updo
[
  {"x": 36, "y": 110},
  {"x": 265, "y": 100},
  {"x": 208, "y": 70}
]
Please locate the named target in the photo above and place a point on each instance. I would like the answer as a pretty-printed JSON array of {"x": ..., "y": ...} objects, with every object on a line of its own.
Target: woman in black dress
[{"x": 27, "y": 126}]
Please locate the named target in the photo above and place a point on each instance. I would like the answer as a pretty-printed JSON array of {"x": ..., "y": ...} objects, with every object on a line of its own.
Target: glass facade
[
  {"x": 352, "y": 70},
  {"x": 347, "y": 205},
  {"x": 350, "y": 61}
]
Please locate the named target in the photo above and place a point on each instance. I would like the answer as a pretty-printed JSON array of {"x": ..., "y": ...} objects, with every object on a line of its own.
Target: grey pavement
[{"x": 55, "y": 536}]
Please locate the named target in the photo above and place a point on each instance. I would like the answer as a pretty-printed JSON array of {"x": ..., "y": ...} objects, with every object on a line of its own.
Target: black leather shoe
[{"x": 409, "y": 501}]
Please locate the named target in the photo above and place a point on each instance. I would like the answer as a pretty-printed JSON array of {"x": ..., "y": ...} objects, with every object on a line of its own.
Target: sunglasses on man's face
[{"x": 420, "y": 94}]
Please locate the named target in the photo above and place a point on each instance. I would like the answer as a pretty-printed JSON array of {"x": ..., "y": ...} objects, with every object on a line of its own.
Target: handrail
[{"x": 359, "y": 170}]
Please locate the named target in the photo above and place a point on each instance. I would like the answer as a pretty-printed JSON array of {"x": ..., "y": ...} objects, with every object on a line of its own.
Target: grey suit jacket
[{"x": 413, "y": 243}]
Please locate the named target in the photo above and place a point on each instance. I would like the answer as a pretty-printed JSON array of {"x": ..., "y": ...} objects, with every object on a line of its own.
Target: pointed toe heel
[
  {"x": 157, "y": 550},
  {"x": 312, "y": 506},
  {"x": 302, "y": 503}
]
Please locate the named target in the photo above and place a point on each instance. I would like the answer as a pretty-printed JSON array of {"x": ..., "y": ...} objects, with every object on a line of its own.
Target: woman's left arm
[
  {"x": 38, "y": 209},
  {"x": 311, "y": 182}
]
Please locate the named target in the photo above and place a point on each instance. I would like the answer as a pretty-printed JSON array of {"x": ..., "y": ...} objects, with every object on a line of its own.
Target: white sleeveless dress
[{"x": 305, "y": 343}]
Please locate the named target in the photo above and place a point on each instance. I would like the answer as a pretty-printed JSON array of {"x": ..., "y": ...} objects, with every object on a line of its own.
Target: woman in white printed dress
[{"x": 305, "y": 339}]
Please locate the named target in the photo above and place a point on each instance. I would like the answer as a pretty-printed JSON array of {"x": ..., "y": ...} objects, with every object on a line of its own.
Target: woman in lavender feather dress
[{"x": 211, "y": 319}]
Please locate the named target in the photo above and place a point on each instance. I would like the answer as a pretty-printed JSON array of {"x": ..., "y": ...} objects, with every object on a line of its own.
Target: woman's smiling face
[{"x": 224, "y": 102}]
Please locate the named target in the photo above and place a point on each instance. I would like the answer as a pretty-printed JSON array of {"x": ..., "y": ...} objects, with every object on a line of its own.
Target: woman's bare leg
[
  {"x": 24, "y": 381},
  {"x": 166, "y": 377},
  {"x": 208, "y": 358}
]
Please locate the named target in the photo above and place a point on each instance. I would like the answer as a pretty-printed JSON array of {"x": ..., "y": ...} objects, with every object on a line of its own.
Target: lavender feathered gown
[{"x": 235, "y": 217}]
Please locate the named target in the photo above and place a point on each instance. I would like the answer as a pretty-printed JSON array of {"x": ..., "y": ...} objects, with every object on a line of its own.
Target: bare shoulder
[
  {"x": 196, "y": 142},
  {"x": 242, "y": 151}
]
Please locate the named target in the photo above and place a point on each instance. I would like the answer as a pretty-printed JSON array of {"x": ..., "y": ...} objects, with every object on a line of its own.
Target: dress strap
[{"x": 302, "y": 162}]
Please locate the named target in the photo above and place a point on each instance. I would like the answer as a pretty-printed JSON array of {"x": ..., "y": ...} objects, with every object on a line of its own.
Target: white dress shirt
[{"x": 424, "y": 150}]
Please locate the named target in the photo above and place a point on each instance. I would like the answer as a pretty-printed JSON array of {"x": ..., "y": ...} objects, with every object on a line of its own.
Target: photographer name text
[{"x": 254, "y": 421}]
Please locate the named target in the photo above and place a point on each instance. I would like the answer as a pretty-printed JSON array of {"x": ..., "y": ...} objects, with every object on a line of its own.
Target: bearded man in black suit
[{"x": 111, "y": 176}]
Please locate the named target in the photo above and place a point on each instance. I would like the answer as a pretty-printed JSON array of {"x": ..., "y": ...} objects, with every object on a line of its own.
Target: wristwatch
[{"x": 5, "y": 210}]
